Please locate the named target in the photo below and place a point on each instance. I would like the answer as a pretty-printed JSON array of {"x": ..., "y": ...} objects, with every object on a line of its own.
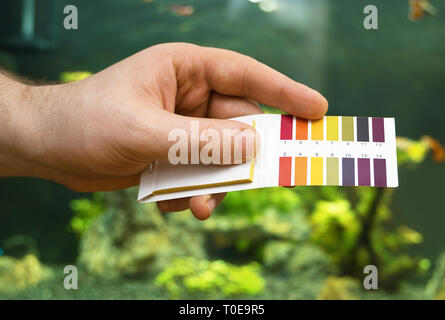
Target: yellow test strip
[
  {"x": 332, "y": 128},
  {"x": 317, "y": 129},
  {"x": 316, "y": 171}
]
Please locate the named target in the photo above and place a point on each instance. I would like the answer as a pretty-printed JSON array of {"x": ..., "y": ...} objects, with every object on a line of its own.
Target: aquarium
[{"x": 306, "y": 242}]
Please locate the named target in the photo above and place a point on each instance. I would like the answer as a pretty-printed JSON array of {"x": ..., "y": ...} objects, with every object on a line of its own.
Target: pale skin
[{"x": 99, "y": 133}]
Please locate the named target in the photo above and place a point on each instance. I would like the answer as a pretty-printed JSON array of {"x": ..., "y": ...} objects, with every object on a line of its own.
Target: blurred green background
[{"x": 273, "y": 243}]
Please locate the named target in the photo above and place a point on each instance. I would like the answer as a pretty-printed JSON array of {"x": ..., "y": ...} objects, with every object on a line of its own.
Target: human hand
[{"x": 101, "y": 132}]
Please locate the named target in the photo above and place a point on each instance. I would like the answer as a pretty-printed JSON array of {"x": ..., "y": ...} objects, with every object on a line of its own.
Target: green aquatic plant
[
  {"x": 188, "y": 276},
  {"x": 20, "y": 274},
  {"x": 86, "y": 211},
  {"x": 340, "y": 288},
  {"x": 247, "y": 220},
  {"x": 412, "y": 152},
  {"x": 71, "y": 76},
  {"x": 354, "y": 225},
  {"x": 335, "y": 227},
  {"x": 254, "y": 203},
  {"x": 356, "y": 234}
]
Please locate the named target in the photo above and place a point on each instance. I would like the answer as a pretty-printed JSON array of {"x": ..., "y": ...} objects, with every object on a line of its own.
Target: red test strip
[
  {"x": 286, "y": 127},
  {"x": 284, "y": 176}
]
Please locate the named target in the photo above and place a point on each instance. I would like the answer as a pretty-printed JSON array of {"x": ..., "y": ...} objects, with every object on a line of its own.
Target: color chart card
[
  {"x": 337, "y": 151},
  {"x": 332, "y": 151}
]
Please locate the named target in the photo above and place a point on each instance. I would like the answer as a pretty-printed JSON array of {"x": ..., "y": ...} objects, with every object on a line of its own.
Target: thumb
[{"x": 190, "y": 140}]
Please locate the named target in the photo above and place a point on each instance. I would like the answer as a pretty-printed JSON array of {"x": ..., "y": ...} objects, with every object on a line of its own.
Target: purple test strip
[
  {"x": 378, "y": 130},
  {"x": 364, "y": 173},
  {"x": 380, "y": 172},
  {"x": 348, "y": 172}
]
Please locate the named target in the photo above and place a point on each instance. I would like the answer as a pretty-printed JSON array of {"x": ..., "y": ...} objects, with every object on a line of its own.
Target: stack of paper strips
[{"x": 332, "y": 151}]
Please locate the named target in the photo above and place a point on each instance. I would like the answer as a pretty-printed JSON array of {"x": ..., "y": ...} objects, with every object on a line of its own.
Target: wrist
[{"x": 20, "y": 134}]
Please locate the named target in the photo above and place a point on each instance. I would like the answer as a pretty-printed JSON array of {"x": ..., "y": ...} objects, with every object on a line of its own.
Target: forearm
[{"x": 18, "y": 132}]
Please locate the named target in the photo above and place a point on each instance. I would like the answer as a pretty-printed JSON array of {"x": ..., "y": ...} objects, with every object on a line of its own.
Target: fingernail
[
  {"x": 324, "y": 102},
  {"x": 321, "y": 100}
]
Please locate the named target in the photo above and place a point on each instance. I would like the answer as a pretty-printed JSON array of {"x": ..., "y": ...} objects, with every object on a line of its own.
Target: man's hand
[{"x": 101, "y": 132}]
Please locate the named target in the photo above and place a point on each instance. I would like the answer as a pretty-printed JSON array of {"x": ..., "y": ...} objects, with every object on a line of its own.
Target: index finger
[{"x": 232, "y": 73}]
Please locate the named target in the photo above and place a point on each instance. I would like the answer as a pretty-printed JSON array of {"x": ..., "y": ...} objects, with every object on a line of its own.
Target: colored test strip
[
  {"x": 285, "y": 171},
  {"x": 364, "y": 173},
  {"x": 317, "y": 129},
  {"x": 348, "y": 172},
  {"x": 300, "y": 171},
  {"x": 316, "y": 171},
  {"x": 362, "y": 129},
  {"x": 347, "y": 129},
  {"x": 286, "y": 127},
  {"x": 332, "y": 128},
  {"x": 378, "y": 130},
  {"x": 380, "y": 172},
  {"x": 301, "y": 128},
  {"x": 332, "y": 171}
]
